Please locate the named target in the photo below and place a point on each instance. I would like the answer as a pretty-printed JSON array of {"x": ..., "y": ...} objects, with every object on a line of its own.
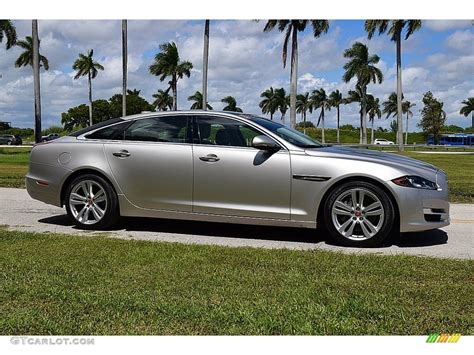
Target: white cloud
[
  {"x": 462, "y": 41},
  {"x": 445, "y": 25}
]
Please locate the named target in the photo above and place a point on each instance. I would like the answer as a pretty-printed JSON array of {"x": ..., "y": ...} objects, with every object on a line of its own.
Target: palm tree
[
  {"x": 168, "y": 64},
  {"x": 124, "y": 67},
  {"x": 31, "y": 56},
  {"x": 395, "y": 31},
  {"x": 283, "y": 101},
  {"x": 355, "y": 96},
  {"x": 85, "y": 65},
  {"x": 26, "y": 57},
  {"x": 197, "y": 104},
  {"x": 269, "y": 104},
  {"x": 336, "y": 99},
  {"x": 390, "y": 105},
  {"x": 321, "y": 100},
  {"x": 231, "y": 104},
  {"x": 373, "y": 109},
  {"x": 8, "y": 31},
  {"x": 163, "y": 100},
  {"x": 406, "y": 109},
  {"x": 304, "y": 104},
  {"x": 362, "y": 66},
  {"x": 291, "y": 28},
  {"x": 205, "y": 64},
  {"x": 468, "y": 108}
]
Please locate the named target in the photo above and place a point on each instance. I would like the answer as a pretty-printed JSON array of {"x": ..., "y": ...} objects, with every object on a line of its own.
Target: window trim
[{"x": 189, "y": 132}]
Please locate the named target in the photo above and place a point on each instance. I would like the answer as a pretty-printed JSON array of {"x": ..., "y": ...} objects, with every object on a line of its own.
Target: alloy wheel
[{"x": 88, "y": 202}]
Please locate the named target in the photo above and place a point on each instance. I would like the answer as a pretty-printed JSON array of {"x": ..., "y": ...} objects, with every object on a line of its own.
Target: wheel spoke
[
  {"x": 97, "y": 212},
  {"x": 349, "y": 232},
  {"x": 77, "y": 199},
  {"x": 341, "y": 208},
  {"x": 361, "y": 198},
  {"x": 368, "y": 228},
  {"x": 343, "y": 226},
  {"x": 377, "y": 212},
  {"x": 80, "y": 215},
  {"x": 373, "y": 206},
  {"x": 354, "y": 198}
]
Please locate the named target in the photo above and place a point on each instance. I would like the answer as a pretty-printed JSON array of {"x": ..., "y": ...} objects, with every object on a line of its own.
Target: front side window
[
  {"x": 288, "y": 134},
  {"x": 224, "y": 132},
  {"x": 171, "y": 129}
]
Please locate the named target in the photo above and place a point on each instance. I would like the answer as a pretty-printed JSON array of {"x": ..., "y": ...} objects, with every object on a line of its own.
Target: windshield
[{"x": 288, "y": 134}]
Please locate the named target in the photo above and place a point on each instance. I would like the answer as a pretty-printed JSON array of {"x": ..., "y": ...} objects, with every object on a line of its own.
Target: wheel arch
[
  {"x": 320, "y": 214},
  {"x": 80, "y": 172}
]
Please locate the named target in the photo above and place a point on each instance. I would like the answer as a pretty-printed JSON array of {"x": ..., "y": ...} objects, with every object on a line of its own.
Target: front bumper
[{"x": 423, "y": 209}]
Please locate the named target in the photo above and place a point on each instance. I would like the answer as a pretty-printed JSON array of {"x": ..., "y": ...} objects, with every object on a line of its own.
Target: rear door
[{"x": 152, "y": 163}]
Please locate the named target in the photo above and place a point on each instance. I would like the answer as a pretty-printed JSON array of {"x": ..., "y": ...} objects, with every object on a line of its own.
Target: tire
[
  {"x": 99, "y": 213},
  {"x": 9, "y": 143},
  {"x": 368, "y": 226}
]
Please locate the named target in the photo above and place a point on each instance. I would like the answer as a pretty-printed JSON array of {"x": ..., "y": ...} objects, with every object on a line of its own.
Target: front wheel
[
  {"x": 359, "y": 214},
  {"x": 91, "y": 202}
]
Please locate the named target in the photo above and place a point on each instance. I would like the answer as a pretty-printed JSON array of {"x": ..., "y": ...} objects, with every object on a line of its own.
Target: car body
[
  {"x": 235, "y": 168},
  {"x": 49, "y": 137},
  {"x": 383, "y": 141},
  {"x": 10, "y": 139}
]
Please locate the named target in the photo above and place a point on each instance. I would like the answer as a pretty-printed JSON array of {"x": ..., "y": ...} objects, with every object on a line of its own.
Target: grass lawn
[
  {"x": 460, "y": 170},
  {"x": 58, "y": 284},
  {"x": 13, "y": 166}
]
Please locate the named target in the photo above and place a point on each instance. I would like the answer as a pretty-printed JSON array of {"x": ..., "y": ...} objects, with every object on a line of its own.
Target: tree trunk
[
  {"x": 372, "y": 133},
  {"x": 271, "y": 116},
  {"x": 36, "y": 79},
  {"x": 399, "y": 91},
  {"x": 406, "y": 131},
  {"x": 360, "y": 124},
  {"x": 304, "y": 122},
  {"x": 337, "y": 123},
  {"x": 90, "y": 98},
  {"x": 322, "y": 125},
  {"x": 294, "y": 76},
  {"x": 174, "y": 88},
  {"x": 205, "y": 62},
  {"x": 364, "y": 116},
  {"x": 124, "y": 67}
]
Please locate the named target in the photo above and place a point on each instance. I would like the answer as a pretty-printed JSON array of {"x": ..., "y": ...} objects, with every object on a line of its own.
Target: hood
[{"x": 386, "y": 159}]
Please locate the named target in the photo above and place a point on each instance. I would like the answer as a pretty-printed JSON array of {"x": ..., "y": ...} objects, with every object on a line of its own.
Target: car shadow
[{"x": 241, "y": 231}]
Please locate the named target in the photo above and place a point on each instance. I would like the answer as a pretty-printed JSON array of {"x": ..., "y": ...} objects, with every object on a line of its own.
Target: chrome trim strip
[{"x": 311, "y": 177}]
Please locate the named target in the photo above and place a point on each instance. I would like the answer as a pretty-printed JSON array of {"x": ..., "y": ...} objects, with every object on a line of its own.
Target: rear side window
[
  {"x": 170, "y": 129},
  {"x": 114, "y": 132}
]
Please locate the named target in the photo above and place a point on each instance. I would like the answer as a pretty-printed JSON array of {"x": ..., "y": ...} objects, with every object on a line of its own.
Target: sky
[{"x": 243, "y": 62}]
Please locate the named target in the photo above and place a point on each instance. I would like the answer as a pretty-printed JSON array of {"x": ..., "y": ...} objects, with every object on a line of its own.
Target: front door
[
  {"x": 232, "y": 178},
  {"x": 152, "y": 163}
]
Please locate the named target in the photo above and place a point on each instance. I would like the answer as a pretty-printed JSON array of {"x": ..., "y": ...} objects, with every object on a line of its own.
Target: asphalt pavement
[{"x": 20, "y": 212}]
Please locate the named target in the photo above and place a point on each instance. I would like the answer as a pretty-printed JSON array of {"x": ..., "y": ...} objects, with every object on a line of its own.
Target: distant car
[
  {"x": 382, "y": 141},
  {"x": 49, "y": 137},
  {"x": 10, "y": 139}
]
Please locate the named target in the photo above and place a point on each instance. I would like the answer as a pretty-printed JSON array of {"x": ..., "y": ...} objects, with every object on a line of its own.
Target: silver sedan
[{"x": 235, "y": 168}]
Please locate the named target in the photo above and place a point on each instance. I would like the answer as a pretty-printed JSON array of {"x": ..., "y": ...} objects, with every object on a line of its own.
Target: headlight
[{"x": 416, "y": 182}]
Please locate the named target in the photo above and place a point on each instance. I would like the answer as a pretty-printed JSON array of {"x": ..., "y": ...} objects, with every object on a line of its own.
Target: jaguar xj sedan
[{"x": 234, "y": 168}]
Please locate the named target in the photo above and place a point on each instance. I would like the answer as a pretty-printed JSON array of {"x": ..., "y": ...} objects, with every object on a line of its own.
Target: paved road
[{"x": 20, "y": 212}]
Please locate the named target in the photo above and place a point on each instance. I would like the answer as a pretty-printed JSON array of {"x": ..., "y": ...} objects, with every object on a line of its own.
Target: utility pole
[
  {"x": 124, "y": 67},
  {"x": 36, "y": 79},
  {"x": 205, "y": 64}
]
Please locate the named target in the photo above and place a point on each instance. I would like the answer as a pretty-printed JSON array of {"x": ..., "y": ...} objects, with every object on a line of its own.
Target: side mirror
[{"x": 265, "y": 143}]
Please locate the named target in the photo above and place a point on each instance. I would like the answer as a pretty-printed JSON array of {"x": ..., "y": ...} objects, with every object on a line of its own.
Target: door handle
[
  {"x": 122, "y": 154},
  {"x": 210, "y": 158}
]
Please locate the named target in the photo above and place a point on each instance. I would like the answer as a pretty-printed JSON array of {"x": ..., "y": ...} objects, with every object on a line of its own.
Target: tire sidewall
[
  {"x": 111, "y": 214},
  {"x": 389, "y": 217}
]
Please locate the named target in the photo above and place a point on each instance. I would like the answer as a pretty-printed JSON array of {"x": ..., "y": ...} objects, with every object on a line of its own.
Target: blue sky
[{"x": 243, "y": 62}]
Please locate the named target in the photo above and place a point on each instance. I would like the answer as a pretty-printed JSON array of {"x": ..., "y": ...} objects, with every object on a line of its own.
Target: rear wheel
[
  {"x": 359, "y": 214},
  {"x": 91, "y": 202}
]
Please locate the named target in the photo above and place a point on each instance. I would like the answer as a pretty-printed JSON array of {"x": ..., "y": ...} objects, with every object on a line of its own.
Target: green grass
[
  {"x": 58, "y": 284},
  {"x": 13, "y": 166},
  {"x": 460, "y": 170}
]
